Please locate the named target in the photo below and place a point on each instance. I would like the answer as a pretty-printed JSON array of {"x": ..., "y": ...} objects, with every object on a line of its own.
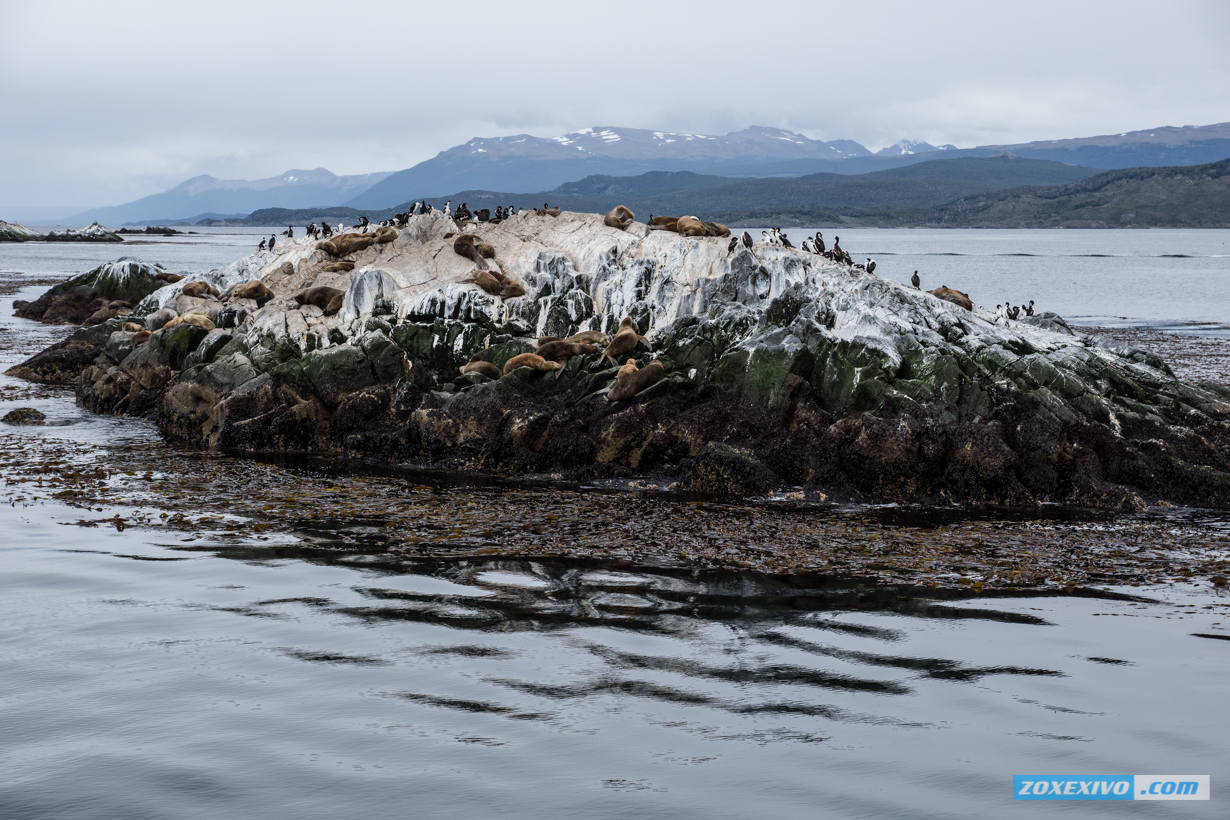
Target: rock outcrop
[
  {"x": 111, "y": 289},
  {"x": 12, "y": 232},
  {"x": 780, "y": 367}
]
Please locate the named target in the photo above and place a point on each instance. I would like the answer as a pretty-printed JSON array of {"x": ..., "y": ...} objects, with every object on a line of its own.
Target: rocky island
[
  {"x": 753, "y": 370},
  {"x": 12, "y": 232}
]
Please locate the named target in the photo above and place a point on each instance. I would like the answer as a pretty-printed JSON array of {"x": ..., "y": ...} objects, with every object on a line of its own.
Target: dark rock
[
  {"x": 722, "y": 470},
  {"x": 94, "y": 296},
  {"x": 24, "y": 415}
]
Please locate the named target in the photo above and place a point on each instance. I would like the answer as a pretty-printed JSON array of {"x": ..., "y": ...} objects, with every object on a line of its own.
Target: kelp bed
[{"x": 208, "y": 499}]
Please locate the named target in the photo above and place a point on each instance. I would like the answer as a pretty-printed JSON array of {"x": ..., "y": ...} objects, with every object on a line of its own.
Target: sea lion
[
  {"x": 691, "y": 226},
  {"x": 486, "y": 250},
  {"x": 486, "y": 281},
  {"x": 132, "y": 327},
  {"x": 385, "y": 235},
  {"x": 631, "y": 381},
  {"x": 625, "y": 340},
  {"x": 663, "y": 223},
  {"x": 321, "y": 297},
  {"x": 529, "y": 360},
  {"x": 335, "y": 304},
  {"x": 542, "y": 340},
  {"x": 955, "y": 296},
  {"x": 717, "y": 229},
  {"x": 256, "y": 289},
  {"x": 561, "y": 350},
  {"x": 345, "y": 244},
  {"x": 342, "y": 266},
  {"x": 589, "y": 337},
  {"x": 200, "y": 290},
  {"x": 620, "y": 218},
  {"x": 477, "y": 365},
  {"x": 139, "y": 338},
  {"x": 195, "y": 319},
  {"x": 172, "y": 278},
  {"x": 467, "y": 245}
]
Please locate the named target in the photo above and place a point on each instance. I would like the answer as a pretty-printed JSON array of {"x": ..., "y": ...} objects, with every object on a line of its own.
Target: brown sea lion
[
  {"x": 335, "y": 304},
  {"x": 488, "y": 282},
  {"x": 691, "y": 226},
  {"x": 562, "y": 351},
  {"x": 589, "y": 337},
  {"x": 132, "y": 327},
  {"x": 486, "y": 250},
  {"x": 343, "y": 266},
  {"x": 139, "y": 338},
  {"x": 169, "y": 277},
  {"x": 320, "y": 297},
  {"x": 195, "y": 319},
  {"x": 625, "y": 340},
  {"x": 256, "y": 289},
  {"x": 542, "y": 340},
  {"x": 347, "y": 243},
  {"x": 467, "y": 245},
  {"x": 512, "y": 289},
  {"x": 620, "y": 218},
  {"x": 200, "y": 290},
  {"x": 385, "y": 235},
  {"x": 717, "y": 229},
  {"x": 664, "y": 223},
  {"x": 629, "y": 383},
  {"x": 955, "y": 296},
  {"x": 477, "y": 365},
  {"x": 529, "y": 360},
  {"x": 556, "y": 211}
]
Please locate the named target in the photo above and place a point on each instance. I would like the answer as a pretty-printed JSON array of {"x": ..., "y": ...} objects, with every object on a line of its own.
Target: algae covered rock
[
  {"x": 125, "y": 280},
  {"x": 24, "y": 415},
  {"x": 778, "y": 367}
]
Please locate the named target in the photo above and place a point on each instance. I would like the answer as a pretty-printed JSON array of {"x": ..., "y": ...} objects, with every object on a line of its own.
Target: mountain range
[
  {"x": 203, "y": 195},
  {"x": 525, "y": 163}
]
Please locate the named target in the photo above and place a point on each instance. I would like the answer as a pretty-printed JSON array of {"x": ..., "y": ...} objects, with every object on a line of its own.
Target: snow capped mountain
[{"x": 522, "y": 162}]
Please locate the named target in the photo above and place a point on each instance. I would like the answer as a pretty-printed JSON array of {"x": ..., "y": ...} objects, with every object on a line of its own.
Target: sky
[{"x": 106, "y": 102}]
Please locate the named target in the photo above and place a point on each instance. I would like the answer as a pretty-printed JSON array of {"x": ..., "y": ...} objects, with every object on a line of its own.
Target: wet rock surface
[
  {"x": 783, "y": 370},
  {"x": 109, "y": 290},
  {"x": 24, "y": 415}
]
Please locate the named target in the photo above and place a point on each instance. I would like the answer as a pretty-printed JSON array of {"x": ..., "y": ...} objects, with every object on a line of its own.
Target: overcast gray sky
[{"x": 104, "y": 102}]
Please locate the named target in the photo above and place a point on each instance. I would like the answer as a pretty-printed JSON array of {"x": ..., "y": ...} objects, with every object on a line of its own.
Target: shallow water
[
  {"x": 151, "y": 670},
  {"x": 1157, "y": 278}
]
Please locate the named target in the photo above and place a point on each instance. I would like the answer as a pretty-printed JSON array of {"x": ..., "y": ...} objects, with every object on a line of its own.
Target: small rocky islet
[{"x": 780, "y": 370}]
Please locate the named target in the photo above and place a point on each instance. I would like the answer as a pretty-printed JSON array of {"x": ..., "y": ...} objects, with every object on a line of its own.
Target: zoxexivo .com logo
[{"x": 1111, "y": 787}]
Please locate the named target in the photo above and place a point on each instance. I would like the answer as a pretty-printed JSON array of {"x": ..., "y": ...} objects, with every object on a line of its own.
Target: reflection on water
[{"x": 255, "y": 681}]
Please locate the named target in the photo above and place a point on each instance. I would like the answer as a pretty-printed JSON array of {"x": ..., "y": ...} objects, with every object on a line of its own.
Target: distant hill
[
  {"x": 920, "y": 186},
  {"x": 205, "y": 194},
  {"x": 525, "y": 163},
  {"x": 824, "y": 197},
  {"x": 1177, "y": 197}
]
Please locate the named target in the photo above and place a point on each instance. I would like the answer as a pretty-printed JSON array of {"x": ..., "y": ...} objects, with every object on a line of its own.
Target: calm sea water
[{"x": 153, "y": 675}]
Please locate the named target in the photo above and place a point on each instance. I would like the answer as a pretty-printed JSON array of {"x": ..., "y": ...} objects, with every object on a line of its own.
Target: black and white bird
[
  {"x": 448, "y": 208},
  {"x": 870, "y": 265},
  {"x": 915, "y": 281},
  {"x": 261, "y": 247},
  {"x": 1029, "y": 309},
  {"x": 747, "y": 239},
  {"x": 785, "y": 239},
  {"x": 272, "y": 240},
  {"x": 1014, "y": 312},
  {"x": 734, "y": 243},
  {"x": 806, "y": 245},
  {"x": 818, "y": 242},
  {"x": 289, "y": 233}
]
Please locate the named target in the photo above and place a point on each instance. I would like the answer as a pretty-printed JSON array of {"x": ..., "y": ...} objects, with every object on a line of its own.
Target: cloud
[{"x": 105, "y": 103}]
